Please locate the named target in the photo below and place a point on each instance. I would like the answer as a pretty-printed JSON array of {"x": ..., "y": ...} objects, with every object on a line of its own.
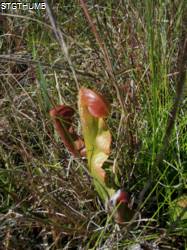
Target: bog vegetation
[{"x": 134, "y": 53}]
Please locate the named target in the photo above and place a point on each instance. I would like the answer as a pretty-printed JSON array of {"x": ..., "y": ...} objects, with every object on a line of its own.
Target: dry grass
[{"x": 129, "y": 51}]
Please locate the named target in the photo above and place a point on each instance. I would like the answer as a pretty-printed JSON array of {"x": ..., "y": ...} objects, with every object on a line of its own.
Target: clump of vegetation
[
  {"x": 95, "y": 145},
  {"x": 132, "y": 52}
]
